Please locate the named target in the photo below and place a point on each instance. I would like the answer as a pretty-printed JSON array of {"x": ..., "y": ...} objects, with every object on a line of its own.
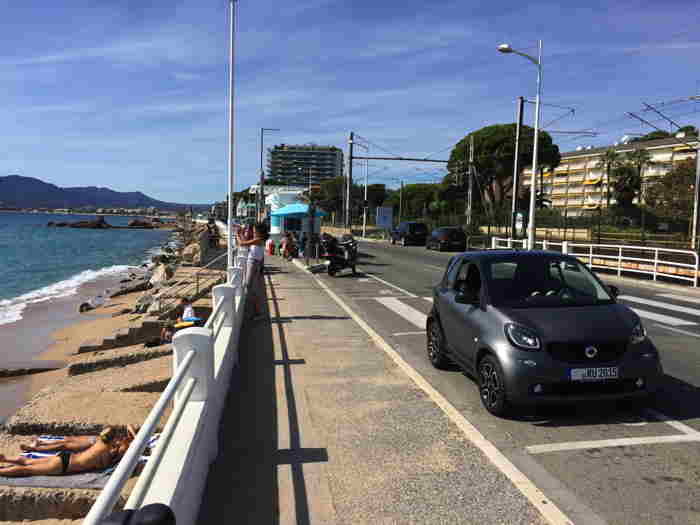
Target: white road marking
[
  {"x": 672, "y": 422},
  {"x": 684, "y": 332},
  {"x": 389, "y": 284},
  {"x": 673, "y": 321},
  {"x": 550, "y": 512},
  {"x": 604, "y": 443},
  {"x": 396, "y": 334},
  {"x": 409, "y": 313},
  {"x": 364, "y": 280},
  {"x": 680, "y": 298},
  {"x": 659, "y": 304}
]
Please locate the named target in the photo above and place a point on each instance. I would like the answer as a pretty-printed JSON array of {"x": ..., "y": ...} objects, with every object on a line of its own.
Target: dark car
[
  {"x": 447, "y": 238},
  {"x": 538, "y": 327},
  {"x": 410, "y": 233}
]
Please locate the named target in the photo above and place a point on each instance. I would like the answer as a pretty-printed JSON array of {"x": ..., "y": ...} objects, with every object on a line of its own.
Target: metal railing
[{"x": 657, "y": 262}]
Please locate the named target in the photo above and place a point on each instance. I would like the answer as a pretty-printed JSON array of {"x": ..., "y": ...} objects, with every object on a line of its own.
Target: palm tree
[
  {"x": 639, "y": 159},
  {"x": 609, "y": 160}
]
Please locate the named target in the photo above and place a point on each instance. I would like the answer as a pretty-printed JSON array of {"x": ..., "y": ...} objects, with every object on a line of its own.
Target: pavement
[
  {"x": 598, "y": 463},
  {"x": 324, "y": 424}
]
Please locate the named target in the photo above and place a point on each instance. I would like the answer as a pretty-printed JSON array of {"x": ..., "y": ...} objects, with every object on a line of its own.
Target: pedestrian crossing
[{"x": 670, "y": 310}]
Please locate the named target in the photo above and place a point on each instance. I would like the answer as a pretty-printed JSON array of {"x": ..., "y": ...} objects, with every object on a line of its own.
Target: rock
[
  {"x": 136, "y": 223},
  {"x": 192, "y": 253},
  {"x": 97, "y": 224},
  {"x": 85, "y": 307},
  {"x": 162, "y": 273}
]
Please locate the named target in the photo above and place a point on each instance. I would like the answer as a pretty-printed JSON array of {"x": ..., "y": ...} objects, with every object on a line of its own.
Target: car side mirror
[{"x": 614, "y": 290}]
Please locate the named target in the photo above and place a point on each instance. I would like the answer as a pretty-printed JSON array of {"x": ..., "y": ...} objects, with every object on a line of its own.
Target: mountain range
[{"x": 27, "y": 192}]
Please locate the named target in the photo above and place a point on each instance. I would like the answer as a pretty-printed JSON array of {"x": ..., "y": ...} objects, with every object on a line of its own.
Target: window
[{"x": 452, "y": 272}]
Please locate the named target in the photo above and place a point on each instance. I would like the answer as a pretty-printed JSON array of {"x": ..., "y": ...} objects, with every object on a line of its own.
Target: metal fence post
[
  {"x": 494, "y": 243},
  {"x": 565, "y": 247},
  {"x": 544, "y": 245},
  {"x": 656, "y": 261},
  {"x": 619, "y": 261}
]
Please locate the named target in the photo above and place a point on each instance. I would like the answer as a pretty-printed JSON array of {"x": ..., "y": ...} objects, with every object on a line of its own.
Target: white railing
[
  {"x": 657, "y": 262},
  {"x": 203, "y": 359}
]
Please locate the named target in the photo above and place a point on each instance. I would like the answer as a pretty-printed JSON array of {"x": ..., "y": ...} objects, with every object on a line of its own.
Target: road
[{"x": 600, "y": 463}]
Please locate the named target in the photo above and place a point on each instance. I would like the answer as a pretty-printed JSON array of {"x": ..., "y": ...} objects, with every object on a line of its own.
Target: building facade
[
  {"x": 301, "y": 165},
  {"x": 580, "y": 183}
]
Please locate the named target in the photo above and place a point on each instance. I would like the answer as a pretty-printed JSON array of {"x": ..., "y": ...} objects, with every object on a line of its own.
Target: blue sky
[{"x": 132, "y": 95}]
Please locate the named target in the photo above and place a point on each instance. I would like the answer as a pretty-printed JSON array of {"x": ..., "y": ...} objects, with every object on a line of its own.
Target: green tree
[
  {"x": 609, "y": 161},
  {"x": 626, "y": 185},
  {"x": 494, "y": 153},
  {"x": 639, "y": 159},
  {"x": 672, "y": 197},
  {"x": 654, "y": 135},
  {"x": 689, "y": 130}
]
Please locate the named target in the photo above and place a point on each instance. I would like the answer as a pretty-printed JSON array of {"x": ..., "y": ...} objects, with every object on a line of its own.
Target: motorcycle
[{"x": 339, "y": 254}]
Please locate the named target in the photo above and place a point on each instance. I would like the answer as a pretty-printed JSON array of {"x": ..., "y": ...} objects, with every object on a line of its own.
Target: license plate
[{"x": 594, "y": 374}]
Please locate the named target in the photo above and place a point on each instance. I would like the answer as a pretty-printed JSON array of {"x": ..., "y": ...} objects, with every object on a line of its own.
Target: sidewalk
[{"x": 321, "y": 426}]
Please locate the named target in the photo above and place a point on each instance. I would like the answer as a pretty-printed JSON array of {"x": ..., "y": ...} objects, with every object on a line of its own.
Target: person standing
[
  {"x": 254, "y": 268},
  {"x": 302, "y": 244}
]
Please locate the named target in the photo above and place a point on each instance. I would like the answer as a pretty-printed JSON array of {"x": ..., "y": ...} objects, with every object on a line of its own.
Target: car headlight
[
  {"x": 639, "y": 334},
  {"x": 522, "y": 337}
]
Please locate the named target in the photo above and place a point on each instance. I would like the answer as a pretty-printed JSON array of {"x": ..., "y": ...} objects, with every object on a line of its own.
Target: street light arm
[{"x": 530, "y": 58}]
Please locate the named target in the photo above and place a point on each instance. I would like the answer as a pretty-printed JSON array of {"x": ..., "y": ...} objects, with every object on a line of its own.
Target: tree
[
  {"x": 609, "y": 160},
  {"x": 639, "y": 159},
  {"x": 672, "y": 197},
  {"x": 626, "y": 185},
  {"x": 654, "y": 135},
  {"x": 689, "y": 130},
  {"x": 494, "y": 153}
]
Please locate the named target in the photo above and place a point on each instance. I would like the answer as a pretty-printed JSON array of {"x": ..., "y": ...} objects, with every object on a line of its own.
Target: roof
[
  {"x": 644, "y": 144},
  {"x": 489, "y": 254},
  {"x": 296, "y": 209}
]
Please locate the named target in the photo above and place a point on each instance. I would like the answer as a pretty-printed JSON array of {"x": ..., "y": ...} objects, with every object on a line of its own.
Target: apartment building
[
  {"x": 297, "y": 165},
  {"x": 579, "y": 183}
]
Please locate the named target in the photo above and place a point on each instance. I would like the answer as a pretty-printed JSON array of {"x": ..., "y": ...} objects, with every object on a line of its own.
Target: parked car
[
  {"x": 447, "y": 238},
  {"x": 410, "y": 233},
  {"x": 538, "y": 327}
]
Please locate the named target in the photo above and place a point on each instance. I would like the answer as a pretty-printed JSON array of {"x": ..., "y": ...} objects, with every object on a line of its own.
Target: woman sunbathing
[{"x": 76, "y": 454}]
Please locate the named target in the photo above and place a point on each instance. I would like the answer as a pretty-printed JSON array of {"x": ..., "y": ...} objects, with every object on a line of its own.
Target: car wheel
[
  {"x": 427, "y": 245},
  {"x": 354, "y": 270},
  {"x": 492, "y": 386},
  {"x": 436, "y": 345},
  {"x": 332, "y": 270},
  {"x": 393, "y": 241}
]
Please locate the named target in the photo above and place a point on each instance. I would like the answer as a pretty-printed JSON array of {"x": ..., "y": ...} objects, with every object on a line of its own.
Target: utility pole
[
  {"x": 694, "y": 240},
  {"x": 364, "y": 208},
  {"x": 516, "y": 167},
  {"x": 348, "y": 218},
  {"x": 470, "y": 187},
  {"x": 401, "y": 202}
]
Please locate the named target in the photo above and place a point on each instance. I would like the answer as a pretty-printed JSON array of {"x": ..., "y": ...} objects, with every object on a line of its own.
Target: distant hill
[{"x": 27, "y": 192}]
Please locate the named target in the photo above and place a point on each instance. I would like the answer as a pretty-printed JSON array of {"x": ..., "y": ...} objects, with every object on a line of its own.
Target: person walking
[{"x": 254, "y": 268}]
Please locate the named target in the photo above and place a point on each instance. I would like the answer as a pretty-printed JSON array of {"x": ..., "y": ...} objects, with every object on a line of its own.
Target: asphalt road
[{"x": 600, "y": 463}]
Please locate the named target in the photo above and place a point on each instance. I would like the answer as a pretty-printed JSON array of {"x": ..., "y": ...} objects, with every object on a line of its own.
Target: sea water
[{"x": 40, "y": 263}]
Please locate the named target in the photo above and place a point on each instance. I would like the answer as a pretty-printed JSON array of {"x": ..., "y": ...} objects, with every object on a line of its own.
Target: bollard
[{"x": 202, "y": 367}]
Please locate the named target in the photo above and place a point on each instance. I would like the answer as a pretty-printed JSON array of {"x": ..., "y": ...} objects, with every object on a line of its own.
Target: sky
[{"x": 133, "y": 95}]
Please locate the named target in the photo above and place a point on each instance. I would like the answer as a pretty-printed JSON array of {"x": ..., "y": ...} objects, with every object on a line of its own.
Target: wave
[{"x": 11, "y": 309}]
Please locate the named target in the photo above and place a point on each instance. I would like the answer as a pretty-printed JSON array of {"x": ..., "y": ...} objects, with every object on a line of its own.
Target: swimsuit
[{"x": 65, "y": 460}]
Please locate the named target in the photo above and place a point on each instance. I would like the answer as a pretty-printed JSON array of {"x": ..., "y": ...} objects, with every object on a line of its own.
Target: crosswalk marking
[
  {"x": 666, "y": 319},
  {"x": 659, "y": 304},
  {"x": 681, "y": 298},
  {"x": 409, "y": 313}
]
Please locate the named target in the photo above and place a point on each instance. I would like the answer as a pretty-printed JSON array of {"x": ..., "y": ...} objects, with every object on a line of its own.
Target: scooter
[{"x": 339, "y": 254}]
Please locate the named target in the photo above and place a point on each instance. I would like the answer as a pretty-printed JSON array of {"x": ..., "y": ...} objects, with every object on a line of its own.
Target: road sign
[{"x": 385, "y": 217}]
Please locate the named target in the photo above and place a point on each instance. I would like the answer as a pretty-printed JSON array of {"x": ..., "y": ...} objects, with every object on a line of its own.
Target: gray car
[{"x": 538, "y": 327}]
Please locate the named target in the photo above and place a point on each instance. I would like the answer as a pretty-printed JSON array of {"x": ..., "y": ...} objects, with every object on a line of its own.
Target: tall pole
[
  {"x": 261, "y": 193},
  {"x": 364, "y": 214},
  {"x": 348, "y": 218},
  {"x": 470, "y": 188},
  {"x": 231, "y": 177},
  {"x": 516, "y": 167},
  {"x": 694, "y": 239},
  {"x": 533, "y": 178},
  {"x": 401, "y": 201}
]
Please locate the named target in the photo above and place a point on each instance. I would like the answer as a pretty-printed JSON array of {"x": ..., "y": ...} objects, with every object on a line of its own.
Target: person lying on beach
[
  {"x": 104, "y": 452},
  {"x": 73, "y": 443},
  {"x": 185, "y": 309}
]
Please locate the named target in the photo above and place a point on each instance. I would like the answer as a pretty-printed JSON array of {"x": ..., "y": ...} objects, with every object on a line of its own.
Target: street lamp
[
  {"x": 261, "y": 201},
  {"x": 505, "y": 48},
  {"x": 231, "y": 176}
]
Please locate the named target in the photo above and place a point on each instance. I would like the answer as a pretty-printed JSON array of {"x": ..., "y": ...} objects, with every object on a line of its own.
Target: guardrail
[
  {"x": 176, "y": 472},
  {"x": 657, "y": 262}
]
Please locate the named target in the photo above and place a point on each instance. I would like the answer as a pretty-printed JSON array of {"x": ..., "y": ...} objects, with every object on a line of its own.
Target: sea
[
  {"x": 40, "y": 263},
  {"x": 47, "y": 272}
]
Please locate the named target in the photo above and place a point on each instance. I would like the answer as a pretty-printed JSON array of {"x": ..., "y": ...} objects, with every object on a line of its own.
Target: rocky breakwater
[{"x": 101, "y": 224}]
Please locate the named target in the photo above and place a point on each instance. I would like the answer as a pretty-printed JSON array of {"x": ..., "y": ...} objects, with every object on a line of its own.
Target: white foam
[{"x": 11, "y": 309}]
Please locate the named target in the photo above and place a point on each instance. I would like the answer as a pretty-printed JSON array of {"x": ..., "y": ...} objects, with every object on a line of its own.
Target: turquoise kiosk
[{"x": 293, "y": 218}]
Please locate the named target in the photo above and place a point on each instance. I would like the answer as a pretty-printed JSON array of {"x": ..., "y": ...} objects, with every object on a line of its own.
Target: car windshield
[
  {"x": 531, "y": 281},
  {"x": 417, "y": 228}
]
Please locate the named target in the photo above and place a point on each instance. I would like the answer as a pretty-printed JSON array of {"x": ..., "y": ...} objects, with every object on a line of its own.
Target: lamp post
[
  {"x": 505, "y": 48},
  {"x": 261, "y": 198},
  {"x": 231, "y": 178}
]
